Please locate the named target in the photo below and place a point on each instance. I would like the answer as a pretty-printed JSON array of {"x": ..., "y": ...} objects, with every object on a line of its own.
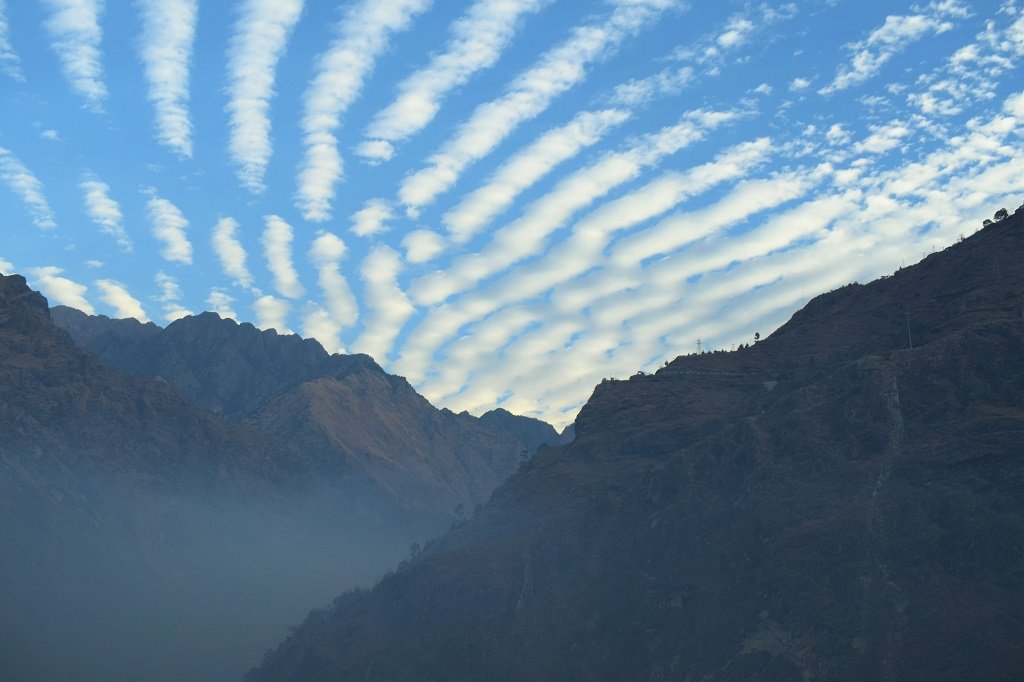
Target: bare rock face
[{"x": 843, "y": 500}]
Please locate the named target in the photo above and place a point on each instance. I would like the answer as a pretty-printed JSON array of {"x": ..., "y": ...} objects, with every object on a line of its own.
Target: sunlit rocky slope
[{"x": 843, "y": 500}]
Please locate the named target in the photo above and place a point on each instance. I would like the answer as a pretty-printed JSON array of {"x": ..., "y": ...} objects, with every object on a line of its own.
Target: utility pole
[{"x": 910, "y": 341}]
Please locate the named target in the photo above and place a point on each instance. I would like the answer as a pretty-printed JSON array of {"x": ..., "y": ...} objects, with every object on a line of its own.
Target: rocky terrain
[
  {"x": 843, "y": 500},
  {"x": 196, "y": 489},
  {"x": 354, "y": 421}
]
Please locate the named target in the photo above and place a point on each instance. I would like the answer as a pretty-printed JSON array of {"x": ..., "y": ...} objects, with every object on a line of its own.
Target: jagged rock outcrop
[
  {"x": 356, "y": 422},
  {"x": 843, "y": 500}
]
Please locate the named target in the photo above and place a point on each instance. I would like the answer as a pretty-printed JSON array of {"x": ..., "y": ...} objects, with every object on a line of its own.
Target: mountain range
[
  {"x": 355, "y": 420},
  {"x": 162, "y": 487},
  {"x": 841, "y": 500}
]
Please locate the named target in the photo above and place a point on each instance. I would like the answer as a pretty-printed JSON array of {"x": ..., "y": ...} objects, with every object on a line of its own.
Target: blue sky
[{"x": 503, "y": 200}]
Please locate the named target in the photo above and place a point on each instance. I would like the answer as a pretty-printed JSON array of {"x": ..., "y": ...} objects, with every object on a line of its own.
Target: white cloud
[
  {"x": 476, "y": 41},
  {"x": 115, "y": 295},
  {"x": 28, "y": 188},
  {"x": 326, "y": 253},
  {"x": 318, "y": 324},
  {"x": 642, "y": 90},
  {"x": 837, "y": 134},
  {"x": 737, "y": 32},
  {"x": 363, "y": 35},
  {"x": 372, "y": 218},
  {"x": 711, "y": 50},
  {"x": 525, "y": 168},
  {"x": 528, "y": 234},
  {"x": 6, "y": 266},
  {"x": 9, "y": 62},
  {"x": 422, "y": 245},
  {"x": 751, "y": 196},
  {"x": 272, "y": 313},
  {"x": 104, "y": 211},
  {"x": 973, "y": 72},
  {"x": 375, "y": 152},
  {"x": 50, "y": 134},
  {"x": 389, "y": 306},
  {"x": 170, "y": 297},
  {"x": 220, "y": 302},
  {"x": 169, "y": 226},
  {"x": 538, "y": 337},
  {"x": 1014, "y": 105},
  {"x": 261, "y": 35},
  {"x": 883, "y": 138},
  {"x": 764, "y": 89},
  {"x": 94, "y": 264},
  {"x": 581, "y": 252},
  {"x": 230, "y": 252},
  {"x": 888, "y": 40},
  {"x": 530, "y": 93},
  {"x": 168, "y": 30},
  {"x": 799, "y": 84},
  {"x": 60, "y": 289},
  {"x": 74, "y": 28},
  {"x": 277, "y": 248}
]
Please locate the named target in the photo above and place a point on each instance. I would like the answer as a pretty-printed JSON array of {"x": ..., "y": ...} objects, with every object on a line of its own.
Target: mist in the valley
[{"x": 116, "y": 584}]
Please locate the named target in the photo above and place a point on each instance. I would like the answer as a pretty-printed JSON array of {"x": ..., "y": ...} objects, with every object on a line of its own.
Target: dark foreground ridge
[{"x": 843, "y": 500}]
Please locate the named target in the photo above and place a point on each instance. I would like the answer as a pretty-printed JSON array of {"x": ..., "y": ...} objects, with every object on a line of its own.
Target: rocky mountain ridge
[
  {"x": 347, "y": 414},
  {"x": 203, "y": 507},
  {"x": 842, "y": 500}
]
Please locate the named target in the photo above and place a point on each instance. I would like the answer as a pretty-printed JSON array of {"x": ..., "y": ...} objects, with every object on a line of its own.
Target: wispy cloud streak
[
  {"x": 528, "y": 234},
  {"x": 891, "y": 38},
  {"x": 114, "y": 294},
  {"x": 389, "y": 307},
  {"x": 583, "y": 251},
  {"x": 476, "y": 41},
  {"x": 527, "y": 167},
  {"x": 10, "y": 64},
  {"x": 28, "y": 188},
  {"x": 230, "y": 252},
  {"x": 74, "y": 27},
  {"x": 261, "y": 35},
  {"x": 104, "y": 211},
  {"x": 277, "y": 247},
  {"x": 168, "y": 31},
  {"x": 170, "y": 297},
  {"x": 60, "y": 289},
  {"x": 169, "y": 227},
  {"x": 529, "y": 94},
  {"x": 326, "y": 253},
  {"x": 363, "y": 35},
  {"x": 272, "y": 313}
]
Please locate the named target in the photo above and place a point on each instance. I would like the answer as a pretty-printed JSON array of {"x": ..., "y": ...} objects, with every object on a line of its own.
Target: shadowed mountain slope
[
  {"x": 351, "y": 417},
  {"x": 842, "y": 500},
  {"x": 205, "y": 505}
]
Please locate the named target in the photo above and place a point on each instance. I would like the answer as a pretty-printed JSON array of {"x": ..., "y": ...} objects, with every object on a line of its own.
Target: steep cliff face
[
  {"x": 351, "y": 418},
  {"x": 842, "y": 500}
]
